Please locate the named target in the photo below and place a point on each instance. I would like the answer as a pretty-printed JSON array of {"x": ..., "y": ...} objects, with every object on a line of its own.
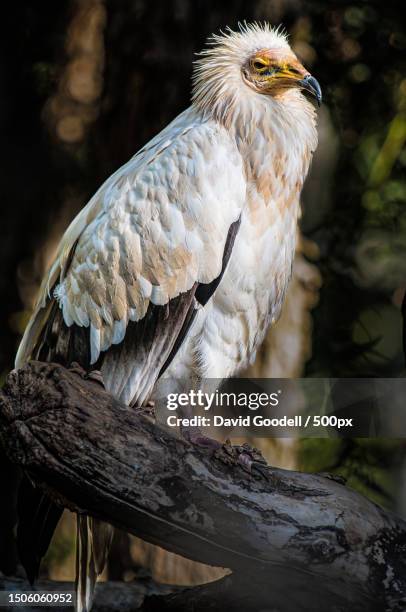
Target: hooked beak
[{"x": 311, "y": 85}]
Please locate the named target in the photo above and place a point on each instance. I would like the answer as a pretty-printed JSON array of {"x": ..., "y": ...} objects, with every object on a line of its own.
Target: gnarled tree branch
[{"x": 294, "y": 541}]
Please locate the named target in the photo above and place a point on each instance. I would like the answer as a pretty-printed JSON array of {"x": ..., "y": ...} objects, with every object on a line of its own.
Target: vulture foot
[
  {"x": 95, "y": 375},
  {"x": 250, "y": 459}
]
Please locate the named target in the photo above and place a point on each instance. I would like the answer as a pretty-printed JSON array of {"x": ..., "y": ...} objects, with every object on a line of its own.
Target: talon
[
  {"x": 76, "y": 368},
  {"x": 97, "y": 376},
  {"x": 149, "y": 408},
  {"x": 245, "y": 461},
  {"x": 226, "y": 458},
  {"x": 228, "y": 448},
  {"x": 249, "y": 459}
]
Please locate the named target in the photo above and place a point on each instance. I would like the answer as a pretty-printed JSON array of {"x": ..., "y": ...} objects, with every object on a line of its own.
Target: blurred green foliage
[
  {"x": 360, "y": 49},
  {"x": 368, "y": 465}
]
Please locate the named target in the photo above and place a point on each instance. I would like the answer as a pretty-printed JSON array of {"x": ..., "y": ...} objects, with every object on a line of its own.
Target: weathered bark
[{"x": 294, "y": 541}]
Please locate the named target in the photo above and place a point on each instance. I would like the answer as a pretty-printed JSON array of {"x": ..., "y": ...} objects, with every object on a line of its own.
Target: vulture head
[{"x": 240, "y": 68}]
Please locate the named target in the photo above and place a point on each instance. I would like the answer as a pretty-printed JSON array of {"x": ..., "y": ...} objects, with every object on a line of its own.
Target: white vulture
[{"x": 180, "y": 262}]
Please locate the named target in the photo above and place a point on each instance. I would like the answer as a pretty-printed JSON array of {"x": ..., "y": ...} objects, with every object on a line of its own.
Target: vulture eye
[{"x": 259, "y": 65}]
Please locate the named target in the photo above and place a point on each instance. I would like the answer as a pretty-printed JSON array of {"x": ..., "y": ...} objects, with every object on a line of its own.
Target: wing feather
[{"x": 156, "y": 228}]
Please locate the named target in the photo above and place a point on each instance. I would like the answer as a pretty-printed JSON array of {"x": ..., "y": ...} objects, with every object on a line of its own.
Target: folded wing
[{"x": 122, "y": 289}]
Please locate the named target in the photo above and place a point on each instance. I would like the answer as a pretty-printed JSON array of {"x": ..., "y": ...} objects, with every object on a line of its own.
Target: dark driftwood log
[{"x": 294, "y": 541}]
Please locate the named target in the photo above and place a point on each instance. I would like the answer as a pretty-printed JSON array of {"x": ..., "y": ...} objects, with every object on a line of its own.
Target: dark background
[{"x": 84, "y": 84}]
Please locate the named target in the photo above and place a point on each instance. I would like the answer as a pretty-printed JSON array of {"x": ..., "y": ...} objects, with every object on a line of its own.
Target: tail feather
[
  {"x": 92, "y": 546},
  {"x": 101, "y": 537}
]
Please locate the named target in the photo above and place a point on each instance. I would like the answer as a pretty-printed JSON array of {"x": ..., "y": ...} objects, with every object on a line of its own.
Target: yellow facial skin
[
  {"x": 265, "y": 68},
  {"x": 270, "y": 73}
]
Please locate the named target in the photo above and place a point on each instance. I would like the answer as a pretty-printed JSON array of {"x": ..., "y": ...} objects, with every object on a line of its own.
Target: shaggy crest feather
[{"x": 217, "y": 83}]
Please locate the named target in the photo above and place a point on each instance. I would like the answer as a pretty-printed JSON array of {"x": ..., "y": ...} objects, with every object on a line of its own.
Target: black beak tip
[{"x": 310, "y": 84}]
